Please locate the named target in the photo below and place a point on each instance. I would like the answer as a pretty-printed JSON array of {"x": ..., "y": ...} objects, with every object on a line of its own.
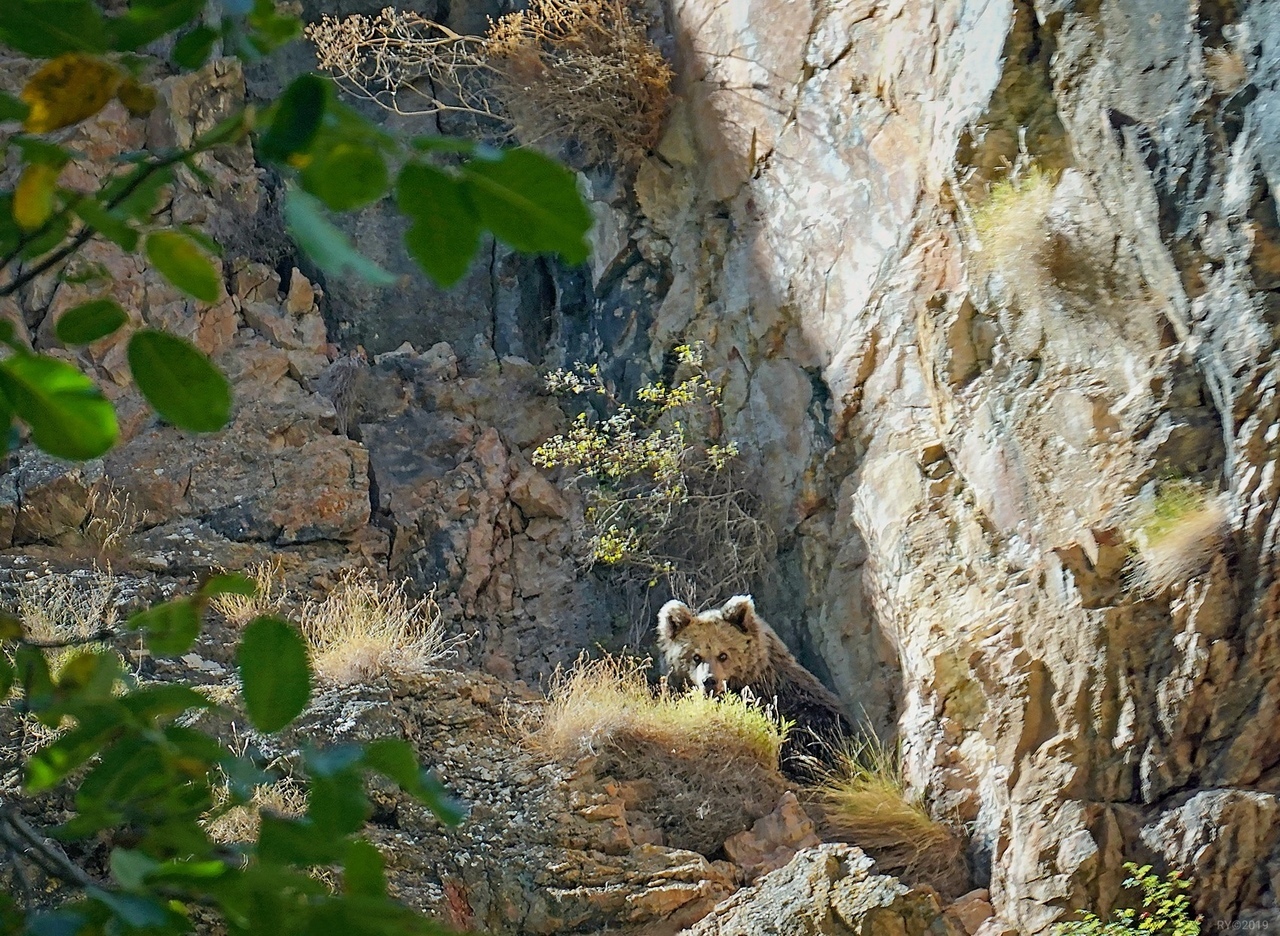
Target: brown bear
[{"x": 733, "y": 648}]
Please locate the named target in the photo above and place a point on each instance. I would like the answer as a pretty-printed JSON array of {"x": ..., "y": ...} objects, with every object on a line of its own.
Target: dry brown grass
[
  {"x": 240, "y": 823},
  {"x": 580, "y": 71},
  {"x": 710, "y": 764},
  {"x": 363, "y": 630},
  {"x": 1226, "y": 70},
  {"x": 269, "y": 599},
  {"x": 62, "y": 607},
  {"x": 608, "y": 702},
  {"x": 865, "y": 802},
  {"x": 1177, "y": 535}
]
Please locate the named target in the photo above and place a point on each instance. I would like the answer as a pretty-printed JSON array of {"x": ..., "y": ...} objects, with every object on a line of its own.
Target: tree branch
[{"x": 18, "y": 834}]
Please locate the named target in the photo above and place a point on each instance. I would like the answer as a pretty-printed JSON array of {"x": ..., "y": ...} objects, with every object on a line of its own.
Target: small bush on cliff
[
  {"x": 268, "y": 596},
  {"x": 1176, "y": 534},
  {"x": 1010, "y": 224},
  {"x": 663, "y": 500},
  {"x": 865, "y": 801},
  {"x": 1165, "y": 910},
  {"x": 581, "y": 71}
]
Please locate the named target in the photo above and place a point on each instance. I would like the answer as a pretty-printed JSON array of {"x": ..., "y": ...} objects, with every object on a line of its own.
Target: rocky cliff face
[
  {"x": 952, "y": 443},
  {"x": 953, "y": 449}
]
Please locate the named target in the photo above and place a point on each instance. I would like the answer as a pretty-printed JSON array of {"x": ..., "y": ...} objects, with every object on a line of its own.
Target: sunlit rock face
[{"x": 958, "y": 416}]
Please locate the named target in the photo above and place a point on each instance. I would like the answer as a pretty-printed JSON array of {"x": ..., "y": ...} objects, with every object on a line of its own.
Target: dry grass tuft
[
  {"x": 269, "y": 599},
  {"x": 608, "y": 702},
  {"x": 1177, "y": 535},
  {"x": 709, "y": 766},
  {"x": 1011, "y": 225},
  {"x": 865, "y": 801},
  {"x": 240, "y": 823},
  {"x": 1226, "y": 70},
  {"x": 363, "y": 630},
  {"x": 68, "y": 607},
  {"x": 583, "y": 71}
]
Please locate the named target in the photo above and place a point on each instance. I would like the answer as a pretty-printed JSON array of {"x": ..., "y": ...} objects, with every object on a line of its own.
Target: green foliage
[
  {"x": 332, "y": 158},
  {"x": 143, "y": 773},
  {"x": 1173, "y": 503},
  {"x": 144, "y": 780},
  {"x": 1165, "y": 910},
  {"x": 660, "y": 496}
]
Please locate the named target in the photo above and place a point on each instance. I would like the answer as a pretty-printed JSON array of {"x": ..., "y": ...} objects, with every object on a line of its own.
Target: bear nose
[{"x": 709, "y": 685}]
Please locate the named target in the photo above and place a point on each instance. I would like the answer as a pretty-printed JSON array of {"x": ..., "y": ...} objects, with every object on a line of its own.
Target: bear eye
[
  {"x": 697, "y": 659},
  {"x": 723, "y": 657}
]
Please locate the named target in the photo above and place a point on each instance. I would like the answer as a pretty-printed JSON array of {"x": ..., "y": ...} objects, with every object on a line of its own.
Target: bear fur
[{"x": 732, "y": 648}]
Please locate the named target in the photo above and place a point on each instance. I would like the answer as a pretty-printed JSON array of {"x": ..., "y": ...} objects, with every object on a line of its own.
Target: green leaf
[
  {"x": 338, "y": 804},
  {"x": 42, "y": 152},
  {"x": 179, "y": 381},
  {"x": 171, "y": 628},
  {"x": 163, "y": 699},
  {"x": 88, "y": 322},
  {"x": 68, "y": 415},
  {"x": 346, "y": 175},
  {"x": 45, "y": 28},
  {"x": 363, "y": 870},
  {"x": 6, "y": 677},
  {"x": 184, "y": 264},
  {"x": 10, "y": 627},
  {"x": 446, "y": 229},
  {"x": 275, "y": 673},
  {"x": 297, "y": 118},
  {"x": 130, "y": 867},
  {"x": 136, "y": 194},
  {"x": 291, "y": 841},
  {"x": 230, "y": 584},
  {"x": 138, "y": 912},
  {"x": 269, "y": 29},
  {"x": 89, "y": 675},
  {"x": 325, "y": 244},
  {"x": 147, "y": 20},
  {"x": 46, "y": 768},
  {"x": 530, "y": 202},
  {"x": 447, "y": 144},
  {"x": 107, "y": 223},
  {"x": 394, "y": 759},
  {"x": 11, "y": 108},
  {"x": 193, "y": 49}
]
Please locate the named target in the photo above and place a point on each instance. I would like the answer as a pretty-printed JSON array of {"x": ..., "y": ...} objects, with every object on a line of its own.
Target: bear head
[{"x": 713, "y": 651}]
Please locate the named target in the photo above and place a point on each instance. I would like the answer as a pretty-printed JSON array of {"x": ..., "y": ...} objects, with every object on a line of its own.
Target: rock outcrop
[{"x": 952, "y": 444}]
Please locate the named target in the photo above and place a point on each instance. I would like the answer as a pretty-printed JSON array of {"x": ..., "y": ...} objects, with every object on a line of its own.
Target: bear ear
[
  {"x": 740, "y": 611},
  {"x": 673, "y": 618}
]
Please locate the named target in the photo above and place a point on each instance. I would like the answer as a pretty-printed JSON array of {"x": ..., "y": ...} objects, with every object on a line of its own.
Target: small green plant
[
  {"x": 661, "y": 496},
  {"x": 1176, "y": 534},
  {"x": 1010, "y": 225},
  {"x": 1165, "y": 910}
]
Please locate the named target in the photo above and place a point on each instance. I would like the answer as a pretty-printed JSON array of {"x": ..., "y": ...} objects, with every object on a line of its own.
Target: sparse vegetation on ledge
[
  {"x": 576, "y": 71},
  {"x": 866, "y": 802},
  {"x": 710, "y": 763},
  {"x": 1177, "y": 534}
]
